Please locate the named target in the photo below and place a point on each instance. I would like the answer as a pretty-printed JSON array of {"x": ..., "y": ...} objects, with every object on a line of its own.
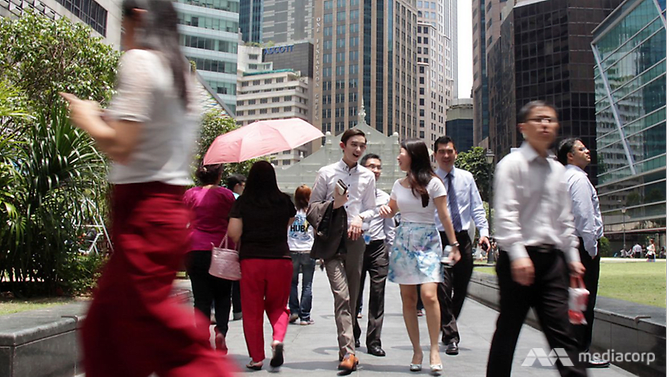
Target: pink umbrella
[{"x": 259, "y": 139}]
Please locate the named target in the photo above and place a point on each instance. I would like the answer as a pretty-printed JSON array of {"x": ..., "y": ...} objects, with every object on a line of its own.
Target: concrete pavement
[{"x": 312, "y": 350}]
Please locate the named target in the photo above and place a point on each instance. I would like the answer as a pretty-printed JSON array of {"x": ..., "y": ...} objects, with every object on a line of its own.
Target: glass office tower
[{"x": 630, "y": 80}]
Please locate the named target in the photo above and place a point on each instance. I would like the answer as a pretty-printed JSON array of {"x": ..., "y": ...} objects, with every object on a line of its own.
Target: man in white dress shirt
[
  {"x": 589, "y": 229},
  {"x": 465, "y": 208},
  {"x": 535, "y": 233},
  {"x": 381, "y": 232},
  {"x": 344, "y": 269}
]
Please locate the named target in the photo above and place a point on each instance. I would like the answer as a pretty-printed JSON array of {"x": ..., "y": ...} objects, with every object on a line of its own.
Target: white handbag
[{"x": 225, "y": 262}]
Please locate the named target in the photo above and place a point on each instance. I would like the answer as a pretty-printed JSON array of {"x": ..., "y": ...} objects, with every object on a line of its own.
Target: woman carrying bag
[
  {"x": 258, "y": 222},
  {"x": 210, "y": 205}
]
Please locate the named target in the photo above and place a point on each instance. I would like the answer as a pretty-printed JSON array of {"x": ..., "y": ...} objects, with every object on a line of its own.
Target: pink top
[{"x": 209, "y": 217}]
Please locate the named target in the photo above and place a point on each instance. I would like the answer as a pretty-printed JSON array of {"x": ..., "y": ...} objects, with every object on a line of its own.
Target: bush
[
  {"x": 80, "y": 273},
  {"x": 605, "y": 247}
]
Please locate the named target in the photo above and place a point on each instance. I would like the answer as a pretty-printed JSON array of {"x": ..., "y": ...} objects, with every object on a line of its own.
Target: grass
[
  {"x": 13, "y": 305},
  {"x": 635, "y": 281}
]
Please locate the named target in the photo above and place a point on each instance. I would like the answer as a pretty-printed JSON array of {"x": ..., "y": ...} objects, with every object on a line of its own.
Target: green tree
[
  {"x": 42, "y": 57},
  {"x": 51, "y": 176},
  {"x": 605, "y": 247},
  {"x": 213, "y": 125},
  {"x": 474, "y": 161}
]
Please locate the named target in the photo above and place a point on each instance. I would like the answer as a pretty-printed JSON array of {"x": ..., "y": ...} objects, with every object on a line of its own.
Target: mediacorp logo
[
  {"x": 547, "y": 359},
  {"x": 277, "y": 50}
]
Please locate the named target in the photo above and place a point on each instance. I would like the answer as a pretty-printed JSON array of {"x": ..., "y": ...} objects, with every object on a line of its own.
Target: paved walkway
[{"x": 312, "y": 350}]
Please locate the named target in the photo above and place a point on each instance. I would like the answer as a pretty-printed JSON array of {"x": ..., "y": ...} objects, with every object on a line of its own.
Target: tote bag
[{"x": 225, "y": 262}]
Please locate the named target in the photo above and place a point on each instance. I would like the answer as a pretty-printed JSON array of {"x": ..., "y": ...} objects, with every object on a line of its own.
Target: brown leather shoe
[{"x": 349, "y": 363}]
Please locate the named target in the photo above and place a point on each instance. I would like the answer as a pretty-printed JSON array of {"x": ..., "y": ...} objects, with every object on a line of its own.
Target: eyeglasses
[{"x": 544, "y": 120}]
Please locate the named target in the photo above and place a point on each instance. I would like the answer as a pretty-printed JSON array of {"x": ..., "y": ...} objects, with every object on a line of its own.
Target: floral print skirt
[{"x": 415, "y": 255}]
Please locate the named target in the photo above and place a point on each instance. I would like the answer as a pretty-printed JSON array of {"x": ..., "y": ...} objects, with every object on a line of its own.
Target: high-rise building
[
  {"x": 459, "y": 124},
  {"x": 267, "y": 93},
  {"x": 208, "y": 32},
  {"x": 486, "y": 20},
  {"x": 365, "y": 53},
  {"x": 251, "y": 20},
  {"x": 436, "y": 59},
  {"x": 103, "y": 16},
  {"x": 544, "y": 53},
  {"x": 287, "y": 21},
  {"x": 630, "y": 82}
]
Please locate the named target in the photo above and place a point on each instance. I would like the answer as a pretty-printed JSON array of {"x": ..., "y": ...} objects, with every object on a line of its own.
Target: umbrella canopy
[{"x": 259, "y": 139}]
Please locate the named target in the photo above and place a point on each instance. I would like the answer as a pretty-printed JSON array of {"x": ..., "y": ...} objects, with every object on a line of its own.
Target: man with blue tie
[{"x": 465, "y": 206}]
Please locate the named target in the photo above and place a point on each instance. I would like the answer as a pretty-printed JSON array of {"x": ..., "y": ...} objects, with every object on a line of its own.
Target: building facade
[
  {"x": 286, "y": 21},
  {"x": 459, "y": 124},
  {"x": 365, "y": 53},
  {"x": 208, "y": 36},
  {"x": 544, "y": 53},
  {"x": 266, "y": 93},
  {"x": 436, "y": 60},
  {"x": 297, "y": 56},
  {"x": 103, "y": 16},
  {"x": 251, "y": 20},
  {"x": 630, "y": 80}
]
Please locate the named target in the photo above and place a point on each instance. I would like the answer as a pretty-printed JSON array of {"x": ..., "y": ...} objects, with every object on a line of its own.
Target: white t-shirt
[
  {"x": 146, "y": 94},
  {"x": 410, "y": 206},
  {"x": 300, "y": 233}
]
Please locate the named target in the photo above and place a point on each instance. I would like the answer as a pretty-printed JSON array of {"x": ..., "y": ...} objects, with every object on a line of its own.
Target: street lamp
[
  {"x": 623, "y": 216},
  {"x": 490, "y": 157}
]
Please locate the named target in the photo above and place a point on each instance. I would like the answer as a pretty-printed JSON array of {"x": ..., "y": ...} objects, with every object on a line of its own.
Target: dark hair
[
  {"x": 565, "y": 147},
  {"x": 301, "y": 196},
  {"x": 368, "y": 156},
  {"x": 348, "y": 134},
  {"x": 158, "y": 32},
  {"x": 443, "y": 140},
  {"x": 209, "y": 174},
  {"x": 522, "y": 116},
  {"x": 235, "y": 179},
  {"x": 261, "y": 189},
  {"x": 420, "y": 172}
]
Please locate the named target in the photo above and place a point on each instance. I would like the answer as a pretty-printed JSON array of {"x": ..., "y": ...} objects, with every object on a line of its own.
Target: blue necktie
[{"x": 453, "y": 205}]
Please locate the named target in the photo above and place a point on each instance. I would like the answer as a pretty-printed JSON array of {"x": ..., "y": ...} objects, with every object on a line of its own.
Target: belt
[
  {"x": 544, "y": 248},
  {"x": 463, "y": 232}
]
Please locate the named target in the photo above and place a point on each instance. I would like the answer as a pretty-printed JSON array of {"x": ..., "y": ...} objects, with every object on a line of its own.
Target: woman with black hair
[
  {"x": 133, "y": 326},
  {"x": 415, "y": 256},
  {"x": 259, "y": 221},
  {"x": 210, "y": 205}
]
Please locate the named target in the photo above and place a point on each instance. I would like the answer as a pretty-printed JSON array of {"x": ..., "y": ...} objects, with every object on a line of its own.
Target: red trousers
[
  {"x": 265, "y": 286},
  {"x": 133, "y": 328}
]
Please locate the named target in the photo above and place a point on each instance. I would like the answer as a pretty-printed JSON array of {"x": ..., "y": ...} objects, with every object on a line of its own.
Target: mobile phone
[{"x": 341, "y": 187}]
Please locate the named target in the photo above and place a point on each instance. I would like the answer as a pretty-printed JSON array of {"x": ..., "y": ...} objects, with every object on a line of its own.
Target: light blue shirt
[
  {"x": 469, "y": 201},
  {"x": 585, "y": 208}
]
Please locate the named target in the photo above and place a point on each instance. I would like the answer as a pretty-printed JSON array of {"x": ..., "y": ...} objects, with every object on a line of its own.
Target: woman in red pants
[
  {"x": 133, "y": 328},
  {"x": 259, "y": 221}
]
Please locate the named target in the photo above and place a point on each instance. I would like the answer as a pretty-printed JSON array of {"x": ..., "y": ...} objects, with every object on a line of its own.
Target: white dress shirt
[
  {"x": 381, "y": 228},
  {"x": 585, "y": 208},
  {"x": 360, "y": 183},
  {"x": 532, "y": 205},
  {"x": 469, "y": 201}
]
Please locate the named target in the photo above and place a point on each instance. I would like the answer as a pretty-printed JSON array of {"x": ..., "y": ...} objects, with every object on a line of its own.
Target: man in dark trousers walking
[
  {"x": 465, "y": 206},
  {"x": 535, "y": 232},
  {"x": 588, "y": 228}
]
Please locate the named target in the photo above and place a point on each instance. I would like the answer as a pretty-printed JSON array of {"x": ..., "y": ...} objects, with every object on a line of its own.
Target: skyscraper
[
  {"x": 208, "y": 34},
  {"x": 630, "y": 81},
  {"x": 287, "y": 21},
  {"x": 436, "y": 59},
  {"x": 365, "y": 53},
  {"x": 251, "y": 20}
]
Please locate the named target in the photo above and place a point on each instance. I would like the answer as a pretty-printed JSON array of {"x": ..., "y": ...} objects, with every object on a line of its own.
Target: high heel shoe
[
  {"x": 220, "y": 342},
  {"x": 277, "y": 355},
  {"x": 436, "y": 369},
  {"x": 416, "y": 367}
]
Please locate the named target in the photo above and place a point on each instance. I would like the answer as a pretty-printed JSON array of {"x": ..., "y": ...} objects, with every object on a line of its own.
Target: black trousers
[
  {"x": 452, "y": 291},
  {"x": 376, "y": 263},
  {"x": 549, "y": 296},
  {"x": 591, "y": 277},
  {"x": 237, "y": 301},
  {"x": 208, "y": 289}
]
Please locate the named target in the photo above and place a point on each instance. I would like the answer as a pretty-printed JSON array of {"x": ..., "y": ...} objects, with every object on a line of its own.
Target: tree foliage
[
  {"x": 214, "y": 125},
  {"x": 42, "y": 57},
  {"x": 474, "y": 161},
  {"x": 51, "y": 176}
]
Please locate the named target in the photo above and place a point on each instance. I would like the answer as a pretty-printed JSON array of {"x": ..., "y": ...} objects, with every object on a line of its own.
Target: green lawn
[
  {"x": 640, "y": 282},
  {"x": 9, "y": 306}
]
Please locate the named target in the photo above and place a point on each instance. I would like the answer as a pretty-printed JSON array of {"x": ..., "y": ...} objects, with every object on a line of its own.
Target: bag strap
[
  {"x": 577, "y": 282},
  {"x": 224, "y": 241}
]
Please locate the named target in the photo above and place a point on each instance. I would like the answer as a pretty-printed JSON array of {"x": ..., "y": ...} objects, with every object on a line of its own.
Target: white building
[{"x": 264, "y": 93}]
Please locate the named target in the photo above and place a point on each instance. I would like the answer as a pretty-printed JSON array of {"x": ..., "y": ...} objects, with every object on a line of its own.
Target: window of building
[{"x": 275, "y": 110}]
